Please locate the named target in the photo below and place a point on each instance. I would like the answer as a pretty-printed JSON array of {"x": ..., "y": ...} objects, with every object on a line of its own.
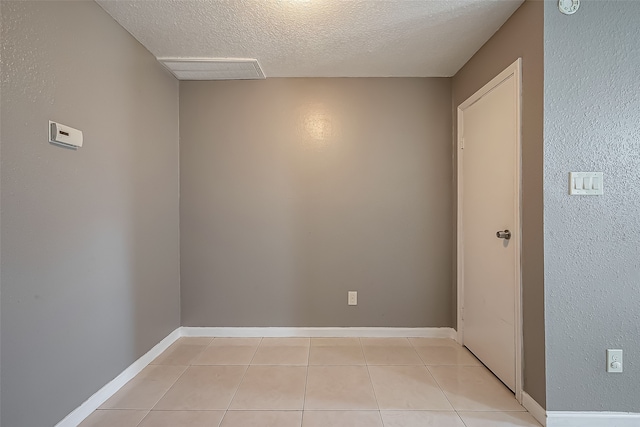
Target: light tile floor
[{"x": 313, "y": 382}]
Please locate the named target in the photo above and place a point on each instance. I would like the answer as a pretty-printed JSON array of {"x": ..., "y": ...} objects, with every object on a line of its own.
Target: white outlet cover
[
  {"x": 614, "y": 360},
  {"x": 352, "y": 297}
]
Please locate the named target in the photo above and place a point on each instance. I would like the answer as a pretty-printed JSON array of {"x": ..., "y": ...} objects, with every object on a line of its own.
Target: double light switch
[{"x": 585, "y": 183}]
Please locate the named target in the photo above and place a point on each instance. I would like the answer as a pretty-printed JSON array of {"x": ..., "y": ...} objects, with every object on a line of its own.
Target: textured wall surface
[
  {"x": 1, "y": 74},
  {"x": 90, "y": 263},
  {"x": 327, "y": 38},
  {"x": 521, "y": 37},
  {"x": 592, "y": 255},
  {"x": 294, "y": 191}
]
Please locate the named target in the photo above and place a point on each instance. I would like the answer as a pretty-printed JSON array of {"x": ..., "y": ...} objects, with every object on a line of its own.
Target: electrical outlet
[
  {"x": 614, "y": 360},
  {"x": 352, "y": 297}
]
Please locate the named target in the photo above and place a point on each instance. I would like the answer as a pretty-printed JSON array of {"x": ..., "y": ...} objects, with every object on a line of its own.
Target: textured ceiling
[{"x": 319, "y": 38}]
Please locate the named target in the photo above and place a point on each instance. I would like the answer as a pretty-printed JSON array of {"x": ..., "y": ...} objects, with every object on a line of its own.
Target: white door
[{"x": 489, "y": 194}]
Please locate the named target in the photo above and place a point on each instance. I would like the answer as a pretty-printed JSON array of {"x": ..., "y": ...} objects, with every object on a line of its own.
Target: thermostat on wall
[{"x": 64, "y": 135}]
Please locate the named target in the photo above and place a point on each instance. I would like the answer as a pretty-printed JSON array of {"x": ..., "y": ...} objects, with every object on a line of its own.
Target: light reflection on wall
[{"x": 319, "y": 128}]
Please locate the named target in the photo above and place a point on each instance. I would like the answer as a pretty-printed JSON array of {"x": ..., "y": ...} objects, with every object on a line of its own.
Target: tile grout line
[
  {"x": 253, "y": 356},
  {"x": 240, "y": 383},
  {"x": 364, "y": 357},
  {"x": 436, "y": 381},
  {"x": 371, "y": 381},
  {"x": 441, "y": 389},
  {"x": 463, "y": 422},
  {"x": 234, "y": 394},
  {"x": 423, "y": 361},
  {"x": 457, "y": 411},
  {"x": 172, "y": 384},
  {"x": 372, "y": 387},
  {"x": 167, "y": 391},
  {"x": 306, "y": 382},
  {"x": 145, "y": 416}
]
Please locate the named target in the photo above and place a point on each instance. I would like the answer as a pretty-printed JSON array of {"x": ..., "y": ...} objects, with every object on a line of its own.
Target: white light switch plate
[{"x": 586, "y": 183}]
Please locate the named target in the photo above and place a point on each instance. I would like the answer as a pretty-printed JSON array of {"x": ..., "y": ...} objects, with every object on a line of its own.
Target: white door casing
[{"x": 489, "y": 200}]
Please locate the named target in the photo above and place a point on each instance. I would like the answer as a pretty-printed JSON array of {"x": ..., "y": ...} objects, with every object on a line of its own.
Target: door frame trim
[{"x": 515, "y": 70}]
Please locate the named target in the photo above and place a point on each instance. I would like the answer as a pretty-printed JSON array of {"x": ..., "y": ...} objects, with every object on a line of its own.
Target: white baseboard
[
  {"x": 101, "y": 396},
  {"x": 190, "y": 331},
  {"x": 592, "y": 419},
  {"x": 534, "y": 408}
]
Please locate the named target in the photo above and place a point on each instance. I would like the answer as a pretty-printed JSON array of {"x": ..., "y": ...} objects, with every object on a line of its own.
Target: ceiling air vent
[{"x": 213, "y": 68}]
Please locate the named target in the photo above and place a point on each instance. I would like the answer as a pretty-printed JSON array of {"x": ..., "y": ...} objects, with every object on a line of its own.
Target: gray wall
[
  {"x": 1, "y": 78},
  {"x": 521, "y": 37},
  {"x": 90, "y": 261},
  {"x": 1, "y": 90},
  {"x": 294, "y": 191},
  {"x": 592, "y": 267}
]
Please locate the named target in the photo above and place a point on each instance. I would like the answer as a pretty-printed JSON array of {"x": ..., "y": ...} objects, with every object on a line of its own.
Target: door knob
[{"x": 506, "y": 234}]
